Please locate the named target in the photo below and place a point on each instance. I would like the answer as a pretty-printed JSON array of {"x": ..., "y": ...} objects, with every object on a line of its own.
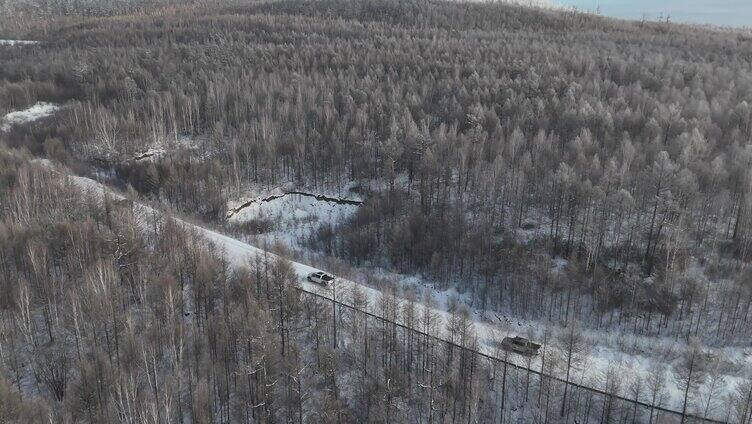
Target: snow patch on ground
[
  {"x": 121, "y": 150},
  {"x": 163, "y": 147},
  {"x": 545, "y": 4},
  {"x": 293, "y": 208},
  {"x": 18, "y": 42},
  {"x": 34, "y": 113},
  {"x": 151, "y": 153},
  {"x": 240, "y": 211},
  {"x": 291, "y": 216}
]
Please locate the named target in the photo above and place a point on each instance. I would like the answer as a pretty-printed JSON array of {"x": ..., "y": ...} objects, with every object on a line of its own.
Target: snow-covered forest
[{"x": 471, "y": 171}]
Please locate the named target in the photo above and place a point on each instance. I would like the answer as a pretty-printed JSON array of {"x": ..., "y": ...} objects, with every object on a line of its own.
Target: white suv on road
[{"x": 320, "y": 277}]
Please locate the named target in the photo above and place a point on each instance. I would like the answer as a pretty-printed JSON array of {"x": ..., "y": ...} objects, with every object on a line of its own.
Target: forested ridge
[{"x": 554, "y": 166}]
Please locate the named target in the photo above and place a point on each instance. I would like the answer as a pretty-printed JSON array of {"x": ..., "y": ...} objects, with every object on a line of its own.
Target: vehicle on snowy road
[
  {"x": 321, "y": 278},
  {"x": 520, "y": 345}
]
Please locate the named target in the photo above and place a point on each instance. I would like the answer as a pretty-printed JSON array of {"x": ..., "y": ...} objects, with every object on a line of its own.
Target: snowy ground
[
  {"x": 168, "y": 144},
  {"x": 547, "y": 4},
  {"x": 489, "y": 328},
  {"x": 34, "y": 113},
  {"x": 17, "y": 42},
  {"x": 292, "y": 217}
]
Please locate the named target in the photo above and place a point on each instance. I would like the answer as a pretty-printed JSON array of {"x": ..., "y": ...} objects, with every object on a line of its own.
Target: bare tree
[
  {"x": 575, "y": 347},
  {"x": 656, "y": 385},
  {"x": 690, "y": 373},
  {"x": 713, "y": 386}
]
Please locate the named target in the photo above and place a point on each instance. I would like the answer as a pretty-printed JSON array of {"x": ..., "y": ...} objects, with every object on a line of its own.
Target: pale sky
[{"x": 737, "y": 13}]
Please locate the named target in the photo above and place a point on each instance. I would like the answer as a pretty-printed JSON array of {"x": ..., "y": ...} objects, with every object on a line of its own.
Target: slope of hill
[{"x": 563, "y": 171}]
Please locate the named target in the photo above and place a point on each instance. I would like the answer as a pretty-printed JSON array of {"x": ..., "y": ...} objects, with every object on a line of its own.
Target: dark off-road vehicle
[{"x": 520, "y": 345}]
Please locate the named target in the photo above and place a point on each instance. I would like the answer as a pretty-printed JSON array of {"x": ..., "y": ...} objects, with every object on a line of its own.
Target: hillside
[{"x": 578, "y": 180}]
